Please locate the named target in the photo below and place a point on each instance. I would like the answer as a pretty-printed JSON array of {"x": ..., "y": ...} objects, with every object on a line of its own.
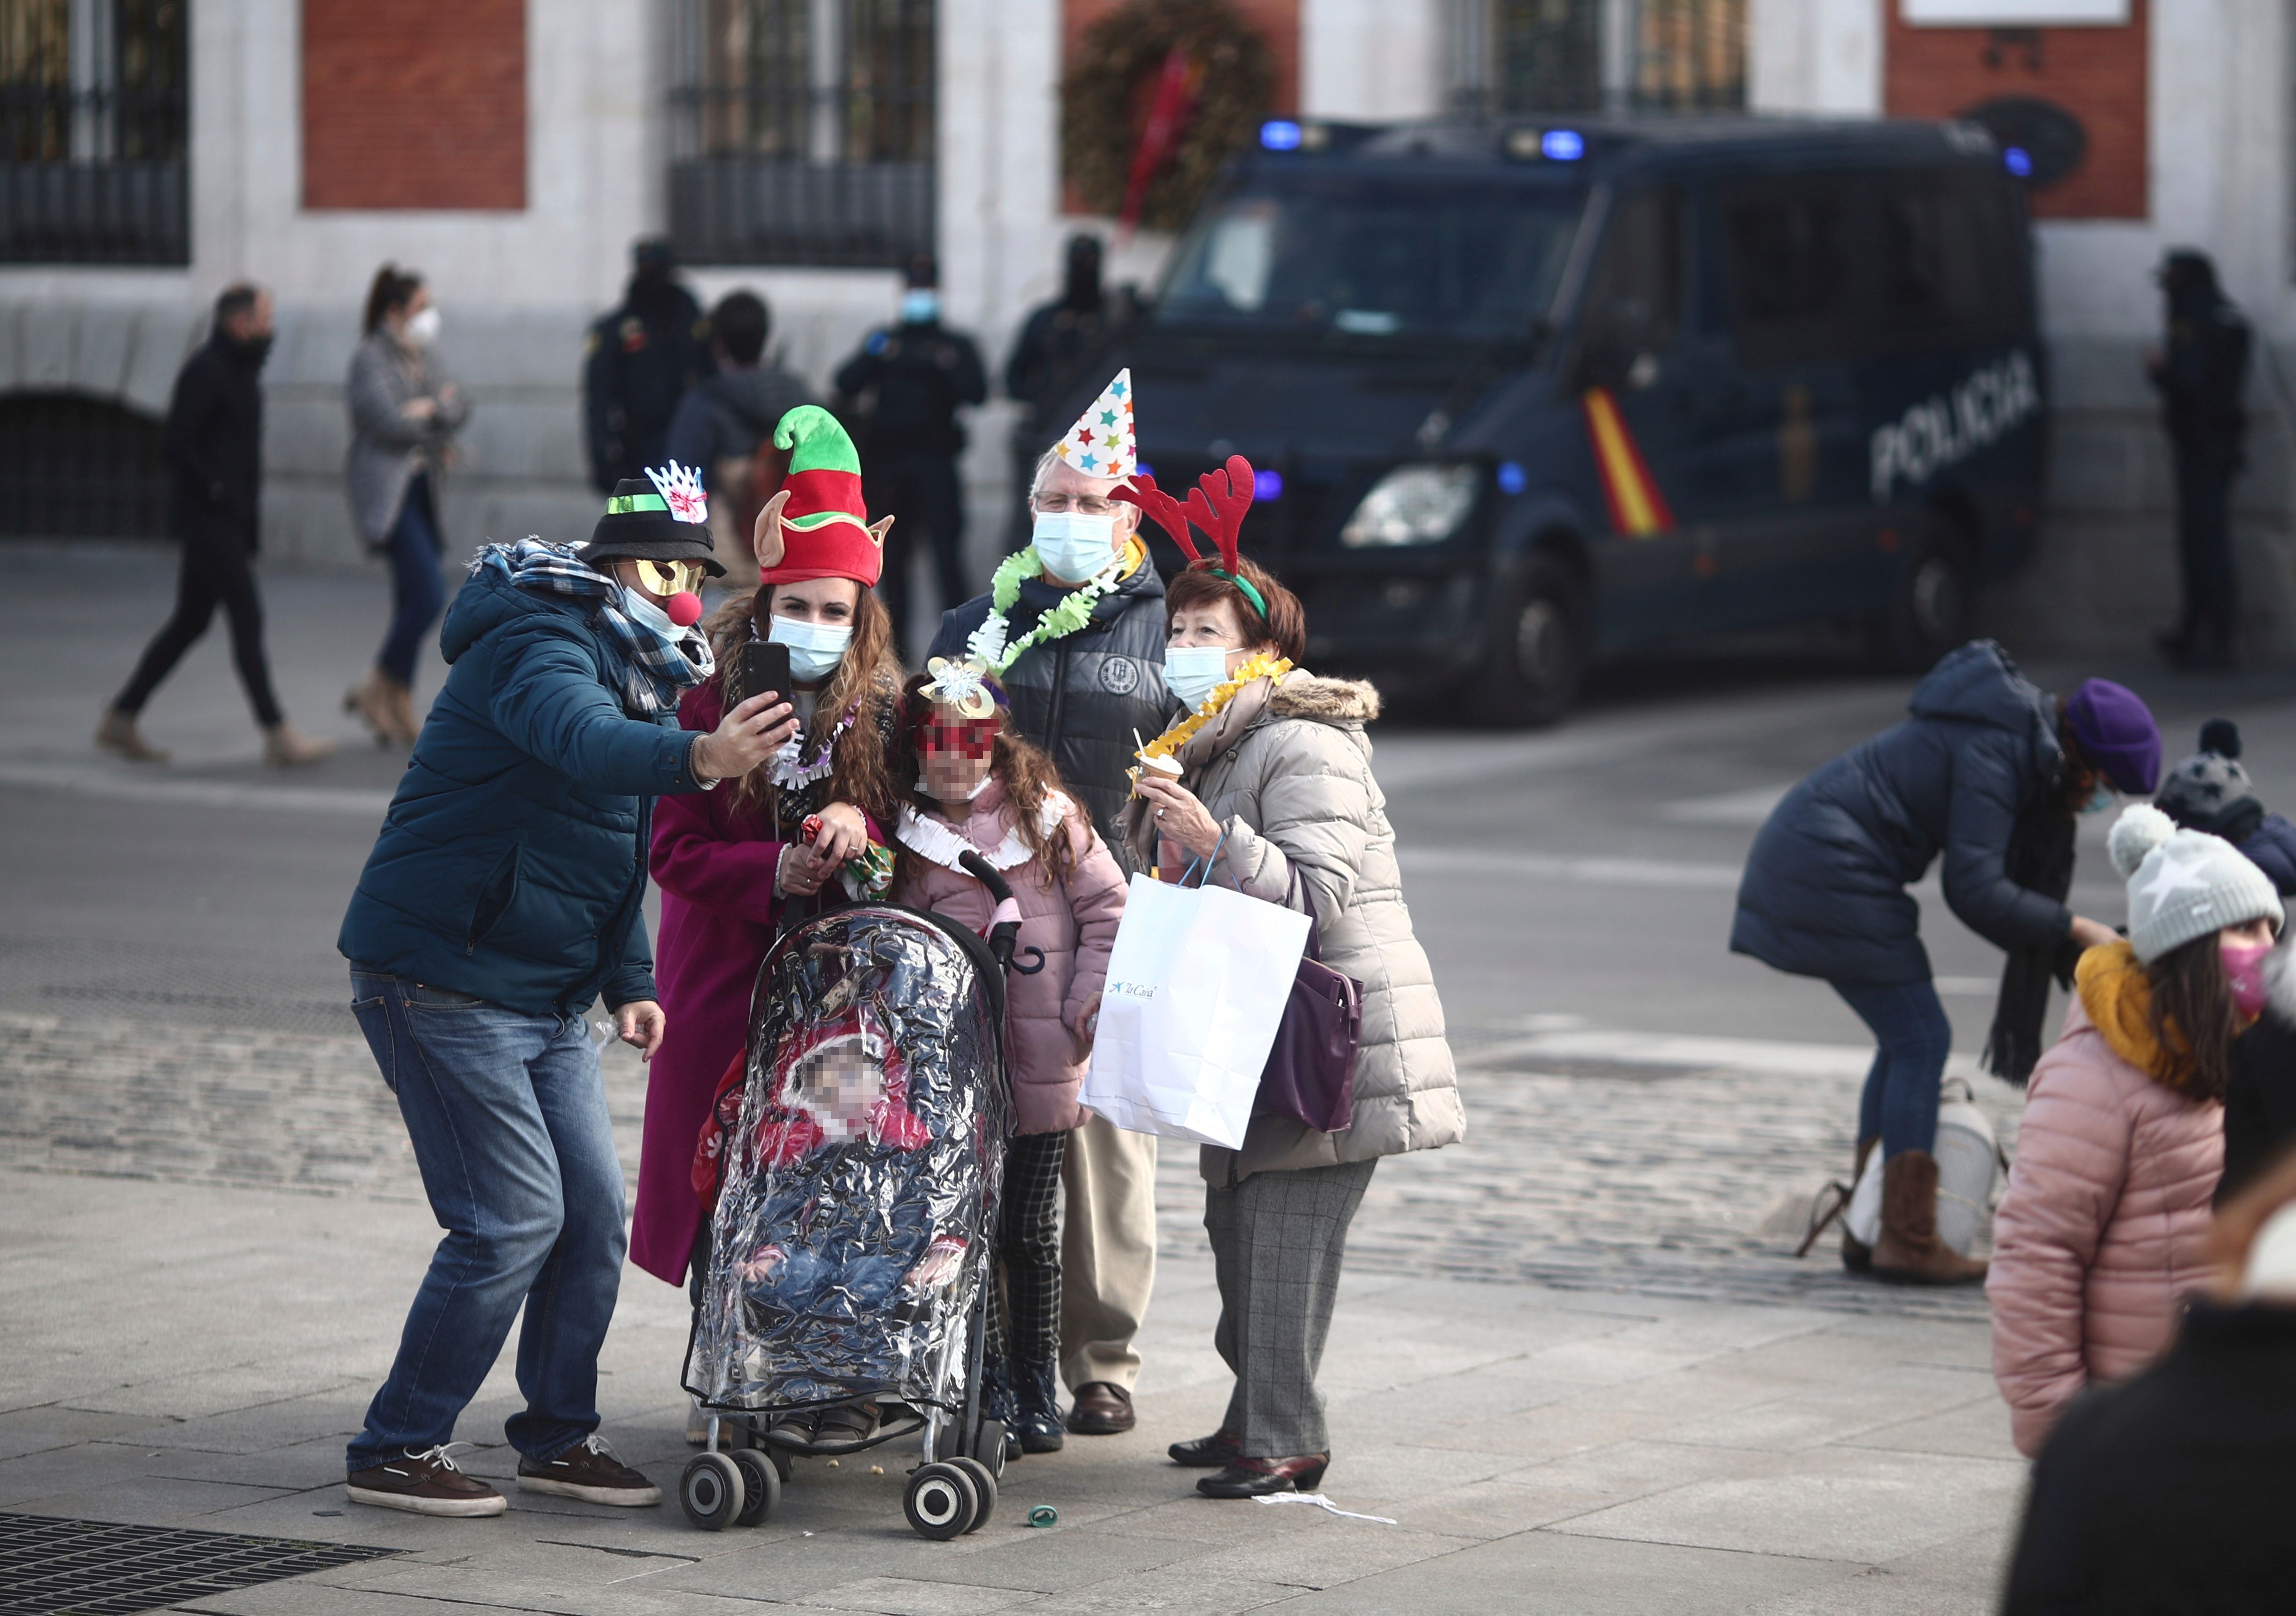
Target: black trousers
[
  {"x": 922, "y": 496},
  {"x": 2205, "y": 545},
  {"x": 1025, "y": 1323},
  {"x": 214, "y": 569}
]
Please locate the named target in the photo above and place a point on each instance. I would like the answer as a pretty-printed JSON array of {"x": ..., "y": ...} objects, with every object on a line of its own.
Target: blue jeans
[
  {"x": 418, "y": 592},
  {"x": 507, "y": 1113},
  {"x": 1900, "y": 1102}
]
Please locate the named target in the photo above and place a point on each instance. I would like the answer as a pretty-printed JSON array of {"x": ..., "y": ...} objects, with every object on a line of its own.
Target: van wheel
[
  {"x": 1931, "y": 599},
  {"x": 1539, "y": 645}
]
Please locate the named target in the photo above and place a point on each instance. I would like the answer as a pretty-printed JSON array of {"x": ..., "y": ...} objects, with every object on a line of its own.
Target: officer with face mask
[
  {"x": 1074, "y": 626},
  {"x": 902, "y": 392}
]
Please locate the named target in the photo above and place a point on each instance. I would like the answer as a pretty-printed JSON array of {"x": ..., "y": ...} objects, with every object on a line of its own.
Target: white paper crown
[
  {"x": 1101, "y": 444},
  {"x": 680, "y": 487}
]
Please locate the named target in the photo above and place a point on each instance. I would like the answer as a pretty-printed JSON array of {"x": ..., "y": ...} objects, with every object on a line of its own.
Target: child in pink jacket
[
  {"x": 979, "y": 787},
  {"x": 2104, "y": 1228}
]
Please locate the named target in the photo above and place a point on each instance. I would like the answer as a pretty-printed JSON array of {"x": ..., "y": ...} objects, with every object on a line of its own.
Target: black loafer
[
  {"x": 1256, "y": 1477},
  {"x": 1221, "y": 1448}
]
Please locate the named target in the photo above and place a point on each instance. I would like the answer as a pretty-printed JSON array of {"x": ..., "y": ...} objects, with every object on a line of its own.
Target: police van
[{"x": 1523, "y": 394}]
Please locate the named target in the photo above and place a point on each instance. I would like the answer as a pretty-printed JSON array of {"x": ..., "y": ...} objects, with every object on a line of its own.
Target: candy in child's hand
[{"x": 812, "y": 828}]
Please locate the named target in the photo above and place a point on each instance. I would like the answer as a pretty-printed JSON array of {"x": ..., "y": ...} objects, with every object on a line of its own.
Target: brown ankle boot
[
  {"x": 1856, "y": 1256},
  {"x": 1909, "y": 1251},
  {"x": 370, "y": 698}
]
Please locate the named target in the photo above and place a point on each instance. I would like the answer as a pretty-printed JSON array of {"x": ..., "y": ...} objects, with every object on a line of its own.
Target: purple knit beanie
[{"x": 2117, "y": 734}]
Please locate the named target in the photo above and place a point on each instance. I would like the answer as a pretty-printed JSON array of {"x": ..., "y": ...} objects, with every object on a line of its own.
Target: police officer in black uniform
[
  {"x": 637, "y": 363},
  {"x": 902, "y": 392},
  {"x": 2201, "y": 375},
  {"x": 1061, "y": 334}
]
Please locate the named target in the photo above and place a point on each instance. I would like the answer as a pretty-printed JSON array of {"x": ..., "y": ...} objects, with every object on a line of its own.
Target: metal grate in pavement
[{"x": 50, "y": 1566}]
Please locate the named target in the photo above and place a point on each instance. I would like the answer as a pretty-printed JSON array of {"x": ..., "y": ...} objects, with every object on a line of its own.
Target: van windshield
[{"x": 1373, "y": 257}]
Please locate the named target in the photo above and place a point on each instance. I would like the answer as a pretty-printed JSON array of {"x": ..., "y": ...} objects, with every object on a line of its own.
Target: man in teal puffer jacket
[{"x": 505, "y": 895}]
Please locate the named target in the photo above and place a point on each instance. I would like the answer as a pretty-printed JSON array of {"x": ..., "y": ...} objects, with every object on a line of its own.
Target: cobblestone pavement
[{"x": 1673, "y": 1181}]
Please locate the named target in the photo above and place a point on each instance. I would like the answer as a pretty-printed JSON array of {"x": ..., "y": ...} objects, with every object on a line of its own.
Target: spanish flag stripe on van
[{"x": 1637, "y": 509}]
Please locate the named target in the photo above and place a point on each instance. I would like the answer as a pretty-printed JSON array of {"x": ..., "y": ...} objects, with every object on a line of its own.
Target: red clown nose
[{"x": 684, "y": 609}]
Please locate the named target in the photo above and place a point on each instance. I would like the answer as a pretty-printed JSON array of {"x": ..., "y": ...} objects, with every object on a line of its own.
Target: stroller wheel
[
  {"x": 990, "y": 1447},
  {"x": 761, "y": 1486},
  {"x": 941, "y": 1502},
  {"x": 984, "y": 1485},
  {"x": 711, "y": 1491}
]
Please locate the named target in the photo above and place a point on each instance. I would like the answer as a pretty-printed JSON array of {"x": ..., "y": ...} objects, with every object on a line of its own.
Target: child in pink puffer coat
[
  {"x": 979, "y": 787},
  {"x": 2104, "y": 1228}
]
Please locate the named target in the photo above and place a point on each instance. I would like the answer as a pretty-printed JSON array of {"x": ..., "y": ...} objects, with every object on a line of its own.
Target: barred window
[
  {"x": 801, "y": 131},
  {"x": 1576, "y": 55},
  {"x": 93, "y": 118}
]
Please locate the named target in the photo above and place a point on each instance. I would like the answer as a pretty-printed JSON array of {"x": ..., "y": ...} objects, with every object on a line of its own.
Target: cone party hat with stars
[{"x": 1101, "y": 443}]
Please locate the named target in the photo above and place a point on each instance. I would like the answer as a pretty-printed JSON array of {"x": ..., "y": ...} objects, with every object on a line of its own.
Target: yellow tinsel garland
[{"x": 1172, "y": 740}]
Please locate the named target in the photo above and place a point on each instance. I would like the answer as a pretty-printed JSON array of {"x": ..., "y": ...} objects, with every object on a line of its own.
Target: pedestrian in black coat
[
  {"x": 213, "y": 444},
  {"x": 1988, "y": 772},
  {"x": 904, "y": 386},
  {"x": 2169, "y": 1492},
  {"x": 2201, "y": 375},
  {"x": 638, "y": 360}
]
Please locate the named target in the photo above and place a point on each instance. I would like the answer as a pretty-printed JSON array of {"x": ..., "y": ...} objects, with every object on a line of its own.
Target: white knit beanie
[{"x": 2183, "y": 884}]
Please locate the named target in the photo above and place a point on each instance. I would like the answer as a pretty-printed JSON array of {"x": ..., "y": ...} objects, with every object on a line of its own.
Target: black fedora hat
[{"x": 660, "y": 517}]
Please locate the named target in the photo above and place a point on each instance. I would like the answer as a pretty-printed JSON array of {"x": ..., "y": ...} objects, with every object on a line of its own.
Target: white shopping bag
[{"x": 1196, "y": 987}]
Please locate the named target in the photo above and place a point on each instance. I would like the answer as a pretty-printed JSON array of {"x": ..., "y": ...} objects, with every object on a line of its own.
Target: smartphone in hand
[{"x": 763, "y": 665}]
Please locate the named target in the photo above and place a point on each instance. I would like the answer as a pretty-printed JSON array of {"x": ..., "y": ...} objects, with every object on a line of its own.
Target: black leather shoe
[
  {"x": 1103, "y": 1408},
  {"x": 1256, "y": 1477},
  {"x": 1037, "y": 1393},
  {"x": 1222, "y": 1448}
]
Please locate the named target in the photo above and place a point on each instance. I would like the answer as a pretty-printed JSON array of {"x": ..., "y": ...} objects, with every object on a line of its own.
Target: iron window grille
[
  {"x": 93, "y": 118},
  {"x": 801, "y": 131},
  {"x": 1513, "y": 56}
]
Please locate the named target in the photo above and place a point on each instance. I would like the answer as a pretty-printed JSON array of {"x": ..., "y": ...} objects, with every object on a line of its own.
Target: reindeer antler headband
[{"x": 1217, "y": 505}]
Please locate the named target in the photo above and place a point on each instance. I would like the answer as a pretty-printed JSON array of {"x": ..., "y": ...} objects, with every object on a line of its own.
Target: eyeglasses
[
  {"x": 966, "y": 737},
  {"x": 1083, "y": 505},
  {"x": 670, "y": 577}
]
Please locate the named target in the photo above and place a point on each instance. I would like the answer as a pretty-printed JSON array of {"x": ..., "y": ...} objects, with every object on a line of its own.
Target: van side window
[
  {"x": 1634, "y": 302},
  {"x": 1788, "y": 255},
  {"x": 1949, "y": 269}
]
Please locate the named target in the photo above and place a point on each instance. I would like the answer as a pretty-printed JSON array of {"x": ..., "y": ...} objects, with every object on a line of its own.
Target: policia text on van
[{"x": 1526, "y": 393}]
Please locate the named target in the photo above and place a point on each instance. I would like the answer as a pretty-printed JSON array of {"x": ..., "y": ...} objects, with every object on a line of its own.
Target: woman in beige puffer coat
[
  {"x": 2103, "y": 1229},
  {"x": 1279, "y": 781}
]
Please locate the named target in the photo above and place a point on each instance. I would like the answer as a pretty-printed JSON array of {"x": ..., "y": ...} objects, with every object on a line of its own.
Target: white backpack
[{"x": 1969, "y": 1163}]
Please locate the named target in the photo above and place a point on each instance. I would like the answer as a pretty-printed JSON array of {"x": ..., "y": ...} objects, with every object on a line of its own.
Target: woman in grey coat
[
  {"x": 405, "y": 414},
  {"x": 1278, "y": 781}
]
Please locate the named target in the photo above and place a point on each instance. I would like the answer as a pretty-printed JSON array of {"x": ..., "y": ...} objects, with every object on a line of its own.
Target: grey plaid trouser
[
  {"x": 1278, "y": 1239},
  {"x": 1024, "y": 1316}
]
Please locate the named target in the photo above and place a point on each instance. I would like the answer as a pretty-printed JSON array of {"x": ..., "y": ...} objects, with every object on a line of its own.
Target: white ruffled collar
[{"x": 935, "y": 840}]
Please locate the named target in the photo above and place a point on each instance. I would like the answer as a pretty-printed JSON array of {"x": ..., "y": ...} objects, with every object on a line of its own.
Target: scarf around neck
[{"x": 661, "y": 664}]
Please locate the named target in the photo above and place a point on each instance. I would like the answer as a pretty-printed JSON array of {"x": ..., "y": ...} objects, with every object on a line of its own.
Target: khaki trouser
[{"x": 1108, "y": 1251}]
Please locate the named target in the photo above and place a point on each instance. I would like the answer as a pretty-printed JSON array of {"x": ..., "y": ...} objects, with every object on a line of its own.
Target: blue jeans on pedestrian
[
  {"x": 1900, "y": 1102},
  {"x": 507, "y": 1112},
  {"x": 418, "y": 592}
]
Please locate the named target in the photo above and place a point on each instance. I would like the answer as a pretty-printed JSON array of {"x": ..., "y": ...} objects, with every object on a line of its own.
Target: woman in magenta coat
[{"x": 734, "y": 865}]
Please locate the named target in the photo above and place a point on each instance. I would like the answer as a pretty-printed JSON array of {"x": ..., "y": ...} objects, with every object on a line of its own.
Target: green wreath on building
[{"x": 1110, "y": 85}]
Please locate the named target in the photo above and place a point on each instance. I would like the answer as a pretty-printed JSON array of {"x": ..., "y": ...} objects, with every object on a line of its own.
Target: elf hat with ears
[{"x": 817, "y": 526}]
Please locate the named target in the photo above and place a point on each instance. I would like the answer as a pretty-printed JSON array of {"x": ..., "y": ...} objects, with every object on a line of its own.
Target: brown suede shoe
[
  {"x": 1103, "y": 1408},
  {"x": 1909, "y": 1251},
  {"x": 424, "y": 1483},
  {"x": 588, "y": 1471}
]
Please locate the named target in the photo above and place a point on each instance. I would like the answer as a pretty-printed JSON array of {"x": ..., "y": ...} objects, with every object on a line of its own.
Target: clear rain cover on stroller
[{"x": 855, "y": 1218}]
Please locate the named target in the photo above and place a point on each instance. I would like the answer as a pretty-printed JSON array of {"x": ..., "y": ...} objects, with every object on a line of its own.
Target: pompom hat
[{"x": 2183, "y": 884}]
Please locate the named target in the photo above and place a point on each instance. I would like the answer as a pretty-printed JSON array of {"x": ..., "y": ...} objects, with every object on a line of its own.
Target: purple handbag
[{"x": 1310, "y": 1075}]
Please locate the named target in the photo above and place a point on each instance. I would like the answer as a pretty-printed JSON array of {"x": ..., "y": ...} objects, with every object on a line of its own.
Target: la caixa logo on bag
[{"x": 1133, "y": 990}]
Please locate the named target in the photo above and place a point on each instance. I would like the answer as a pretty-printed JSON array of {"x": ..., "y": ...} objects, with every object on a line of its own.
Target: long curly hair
[
  {"x": 868, "y": 677},
  {"x": 1028, "y": 775}
]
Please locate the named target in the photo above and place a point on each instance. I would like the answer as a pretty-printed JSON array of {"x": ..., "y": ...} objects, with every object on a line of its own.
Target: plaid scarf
[{"x": 661, "y": 664}]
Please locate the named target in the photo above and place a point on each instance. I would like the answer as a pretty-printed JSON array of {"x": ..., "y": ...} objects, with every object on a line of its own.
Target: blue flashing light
[
  {"x": 1512, "y": 479},
  {"x": 1562, "y": 145},
  {"x": 2018, "y": 162},
  {"x": 1280, "y": 134},
  {"x": 1267, "y": 485},
  {"x": 1144, "y": 468}
]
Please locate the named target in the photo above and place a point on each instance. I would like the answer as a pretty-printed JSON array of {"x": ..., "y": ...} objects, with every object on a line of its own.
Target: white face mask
[
  {"x": 1192, "y": 672},
  {"x": 634, "y": 604},
  {"x": 1073, "y": 545},
  {"x": 423, "y": 328},
  {"x": 814, "y": 648}
]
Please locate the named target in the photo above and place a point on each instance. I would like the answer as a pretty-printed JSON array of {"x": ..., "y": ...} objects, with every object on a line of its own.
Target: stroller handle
[{"x": 1004, "y": 933}]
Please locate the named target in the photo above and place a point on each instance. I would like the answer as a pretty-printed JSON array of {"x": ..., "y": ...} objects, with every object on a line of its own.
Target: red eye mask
[{"x": 967, "y": 737}]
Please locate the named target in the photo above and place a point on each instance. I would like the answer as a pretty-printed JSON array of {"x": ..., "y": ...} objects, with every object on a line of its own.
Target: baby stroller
[{"x": 852, "y": 1246}]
